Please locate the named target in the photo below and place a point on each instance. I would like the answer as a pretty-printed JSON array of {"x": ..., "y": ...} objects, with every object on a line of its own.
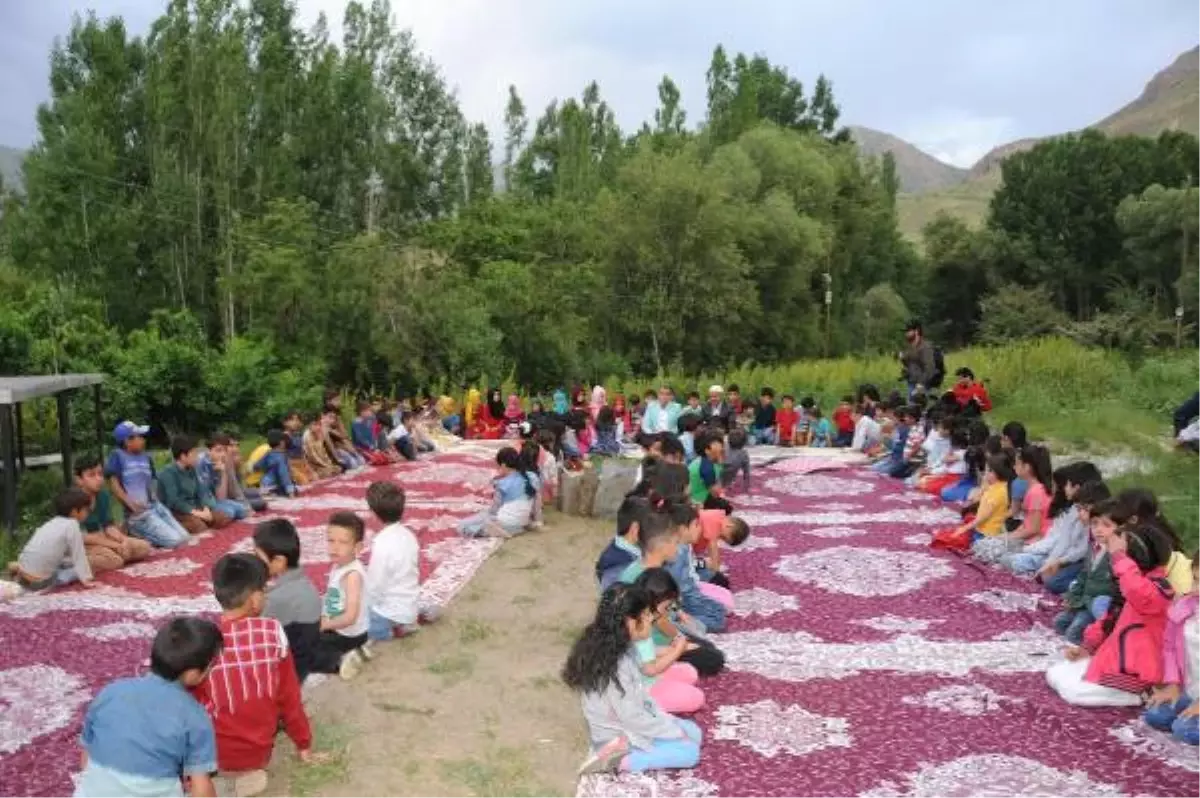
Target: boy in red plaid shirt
[{"x": 253, "y": 684}]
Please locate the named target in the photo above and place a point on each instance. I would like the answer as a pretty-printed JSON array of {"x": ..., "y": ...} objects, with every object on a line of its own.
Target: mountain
[
  {"x": 10, "y": 166},
  {"x": 917, "y": 170},
  {"x": 1170, "y": 101}
]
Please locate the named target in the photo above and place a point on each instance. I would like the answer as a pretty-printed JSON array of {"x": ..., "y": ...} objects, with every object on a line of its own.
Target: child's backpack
[{"x": 939, "y": 368}]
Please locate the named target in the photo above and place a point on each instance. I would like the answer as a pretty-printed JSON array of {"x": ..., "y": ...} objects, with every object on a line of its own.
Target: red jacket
[
  {"x": 965, "y": 393},
  {"x": 252, "y": 686},
  {"x": 1130, "y": 658}
]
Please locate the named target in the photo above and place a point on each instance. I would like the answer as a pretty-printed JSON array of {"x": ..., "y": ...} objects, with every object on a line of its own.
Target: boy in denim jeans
[
  {"x": 275, "y": 465},
  {"x": 130, "y": 473}
]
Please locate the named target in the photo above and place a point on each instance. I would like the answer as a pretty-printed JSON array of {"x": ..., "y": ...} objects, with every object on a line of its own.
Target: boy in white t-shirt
[
  {"x": 394, "y": 573},
  {"x": 344, "y": 609}
]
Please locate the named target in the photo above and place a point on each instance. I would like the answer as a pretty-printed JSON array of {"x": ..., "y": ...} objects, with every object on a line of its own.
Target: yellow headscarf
[
  {"x": 446, "y": 406},
  {"x": 474, "y": 400}
]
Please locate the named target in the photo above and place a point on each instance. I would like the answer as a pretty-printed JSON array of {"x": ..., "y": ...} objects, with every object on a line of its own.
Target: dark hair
[
  {"x": 361, "y": 405},
  {"x": 1079, "y": 474},
  {"x": 737, "y": 437},
  {"x": 739, "y": 532},
  {"x": 733, "y": 387},
  {"x": 768, "y": 392},
  {"x": 978, "y": 432},
  {"x": 689, "y": 423},
  {"x": 546, "y": 439},
  {"x": 530, "y": 450},
  {"x": 293, "y": 414},
  {"x": 348, "y": 520},
  {"x": 1149, "y": 547},
  {"x": 1059, "y": 501},
  {"x": 652, "y": 530},
  {"x": 1037, "y": 458},
  {"x": 70, "y": 500},
  {"x": 681, "y": 514},
  {"x": 911, "y": 411},
  {"x": 693, "y": 395},
  {"x": 659, "y": 585},
  {"x": 808, "y": 402},
  {"x": 670, "y": 482},
  {"x": 278, "y": 538},
  {"x": 386, "y": 500},
  {"x": 1091, "y": 494},
  {"x": 631, "y": 512},
  {"x": 511, "y": 458},
  {"x": 182, "y": 645},
  {"x": 993, "y": 445},
  {"x": 1015, "y": 432},
  {"x": 606, "y": 418},
  {"x": 275, "y": 437},
  {"x": 787, "y": 397},
  {"x": 235, "y": 577},
  {"x": 965, "y": 372},
  {"x": 959, "y": 438},
  {"x": 1142, "y": 504},
  {"x": 1001, "y": 466},
  {"x": 596, "y": 656},
  {"x": 86, "y": 463},
  {"x": 220, "y": 439},
  {"x": 708, "y": 439},
  {"x": 867, "y": 391},
  {"x": 181, "y": 445},
  {"x": 913, "y": 324},
  {"x": 671, "y": 446}
]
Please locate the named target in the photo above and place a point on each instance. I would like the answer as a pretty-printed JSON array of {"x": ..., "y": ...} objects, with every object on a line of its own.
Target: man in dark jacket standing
[{"x": 917, "y": 359}]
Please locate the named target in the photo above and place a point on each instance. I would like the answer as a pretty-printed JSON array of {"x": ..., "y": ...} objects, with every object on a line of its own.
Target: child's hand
[
  {"x": 1073, "y": 653},
  {"x": 1117, "y": 545},
  {"x": 1192, "y": 711},
  {"x": 1166, "y": 694},
  {"x": 1049, "y": 569}
]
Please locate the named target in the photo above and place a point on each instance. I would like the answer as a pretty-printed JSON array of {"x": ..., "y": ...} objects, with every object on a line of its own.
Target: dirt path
[{"x": 472, "y": 705}]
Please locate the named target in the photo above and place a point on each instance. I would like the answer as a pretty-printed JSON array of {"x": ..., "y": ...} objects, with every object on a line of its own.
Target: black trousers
[
  {"x": 707, "y": 659},
  {"x": 716, "y": 503},
  {"x": 720, "y": 580}
]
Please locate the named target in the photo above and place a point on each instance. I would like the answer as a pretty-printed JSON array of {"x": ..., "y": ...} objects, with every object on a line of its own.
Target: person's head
[
  {"x": 684, "y": 519},
  {"x": 713, "y": 447},
  {"x": 945, "y": 425},
  {"x": 89, "y": 474},
  {"x": 669, "y": 482},
  {"x": 1149, "y": 547},
  {"x": 329, "y": 418},
  {"x": 537, "y": 407},
  {"x": 623, "y": 615},
  {"x": 277, "y": 544},
  {"x": 1141, "y": 506},
  {"x": 1106, "y": 517},
  {"x": 219, "y": 445},
  {"x": 131, "y": 437},
  {"x": 734, "y": 394},
  {"x": 240, "y": 584},
  {"x": 661, "y": 588},
  {"x": 671, "y": 449},
  {"x": 277, "y": 439},
  {"x": 766, "y": 396},
  {"x": 814, "y": 413},
  {"x": 993, "y": 444},
  {"x": 363, "y": 409},
  {"x": 1076, "y": 475},
  {"x": 689, "y": 423},
  {"x": 184, "y": 450},
  {"x": 693, "y": 399},
  {"x": 508, "y": 460},
  {"x": 606, "y": 418},
  {"x": 909, "y": 414},
  {"x": 734, "y": 530},
  {"x": 545, "y": 439},
  {"x": 629, "y": 517},
  {"x": 738, "y": 438},
  {"x": 846, "y": 402},
  {"x": 1033, "y": 465},
  {"x": 1013, "y": 436},
  {"x": 377, "y": 404},
  {"x": 788, "y": 401},
  {"x": 1088, "y": 496},
  {"x": 653, "y": 444},
  {"x": 344, "y": 535},
  {"x": 716, "y": 394},
  {"x": 656, "y": 538},
  {"x": 913, "y": 332},
  {"x": 74, "y": 503},
  {"x": 293, "y": 421},
  {"x": 386, "y": 500},
  {"x": 184, "y": 649},
  {"x": 959, "y": 439},
  {"x": 333, "y": 400},
  {"x": 867, "y": 394},
  {"x": 965, "y": 376},
  {"x": 999, "y": 468},
  {"x": 807, "y": 403}
]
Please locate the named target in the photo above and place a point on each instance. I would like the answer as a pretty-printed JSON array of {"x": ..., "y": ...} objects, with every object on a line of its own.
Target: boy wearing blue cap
[{"x": 130, "y": 473}]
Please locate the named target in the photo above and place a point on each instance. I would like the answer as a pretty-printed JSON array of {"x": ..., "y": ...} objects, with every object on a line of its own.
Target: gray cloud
[{"x": 953, "y": 77}]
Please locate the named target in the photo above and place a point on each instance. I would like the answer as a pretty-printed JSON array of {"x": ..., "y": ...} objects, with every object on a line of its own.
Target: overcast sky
[{"x": 954, "y": 77}]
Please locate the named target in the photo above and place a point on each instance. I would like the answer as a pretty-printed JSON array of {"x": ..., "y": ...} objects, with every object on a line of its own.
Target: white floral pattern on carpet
[
  {"x": 1145, "y": 741},
  {"x": 962, "y": 699},
  {"x": 110, "y": 599},
  {"x": 121, "y": 630},
  {"x": 918, "y": 539},
  {"x": 1005, "y": 600},
  {"x": 36, "y": 700},
  {"x": 752, "y": 543},
  {"x": 896, "y": 623},
  {"x": 818, "y": 485},
  {"x": 760, "y": 601},
  {"x": 801, "y": 657},
  {"x": 769, "y": 729},
  {"x": 861, "y": 571},
  {"x": 755, "y": 500},
  {"x": 833, "y": 532},
  {"x": 923, "y": 516},
  {"x": 661, "y": 784},
  {"x": 314, "y": 545},
  {"x": 991, "y": 775},
  {"x": 159, "y": 569}
]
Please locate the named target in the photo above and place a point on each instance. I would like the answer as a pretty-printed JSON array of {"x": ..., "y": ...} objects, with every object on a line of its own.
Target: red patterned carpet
[
  {"x": 59, "y": 649},
  {"x": 860, "y": 663}
]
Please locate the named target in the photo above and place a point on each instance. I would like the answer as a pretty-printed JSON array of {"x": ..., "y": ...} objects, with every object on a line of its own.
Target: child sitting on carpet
[
  {"x": 804, "y": 423},
  {"x": 1033, "y": 466},
  {"x": 707, "y": 603},
  {"x": 108, "y": 547},
  {"x": 1142, "y": 507},
  {"x": 294, "y": 602},
  {"x": 252, "y": 686},
  {"x": 716, "y": 527},
  {"x": 181, "y": 491},
  {"x": 623, "y": 548},
  {"x": 394, "y": 573},
  {"x": 786, "y": 421},
  {"x": 1058, "y": 556},
  {"x": 608, "y": 442},
  {"x": 1173, "y": 705},
  {"x": 275, "y": 468},
  {"x": 867, "y": 431},
  {"x": 988, "y": 520},
  {"x": 142, "y": 735},
  {"x": 1121, "y": 655},
  {"x": 364, "y": 434},
  {"x": 56, "y": 554},
  {"x": 672, "y": 682},
  {"x": 516, "y": 504},
  {"x": 1088, "y": 596},
  {"x": 843, "y": 421},
  {"x": 627, "y": 730},
  {"x": 344, "y": 621},
  {"x": 820, "y": 429},
  {"x": 705, "y": 470},
  {"x": 737, "y": 459},
  {"x": 953, "y": 470}
]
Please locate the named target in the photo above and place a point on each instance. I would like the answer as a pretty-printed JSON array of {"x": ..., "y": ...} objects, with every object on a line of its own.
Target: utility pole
[
  {"x": 1179, "y": 326},
  {"x": 828, "y": 309},
  {"x": 374, "y": 185}
]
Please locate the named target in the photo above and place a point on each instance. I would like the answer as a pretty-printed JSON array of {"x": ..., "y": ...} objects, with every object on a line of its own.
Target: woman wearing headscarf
[
  {"x": 561, "y": 407},
  {"x": 489, "y": 426},
  {"x": 599, "y": 400},
  {"x": 513, "y": 417}
]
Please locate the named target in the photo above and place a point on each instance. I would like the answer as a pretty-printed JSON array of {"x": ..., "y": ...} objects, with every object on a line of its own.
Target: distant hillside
[
  {"x": 1170, "y": 101},
  {"x": 10, "y": 166},
  {"x": 917, "y": 170}
]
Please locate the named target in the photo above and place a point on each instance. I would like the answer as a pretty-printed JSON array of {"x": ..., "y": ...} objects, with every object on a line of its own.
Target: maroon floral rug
[
  {"x": 861, "y": 663},
  {"x": 59, "y": 649}
]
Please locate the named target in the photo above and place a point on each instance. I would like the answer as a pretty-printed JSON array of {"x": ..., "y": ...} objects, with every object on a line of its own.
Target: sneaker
[
  {"x": 367, "y": 650},
  {"x": 607, "y": 759},
  {"x": 352, "y": 663}
]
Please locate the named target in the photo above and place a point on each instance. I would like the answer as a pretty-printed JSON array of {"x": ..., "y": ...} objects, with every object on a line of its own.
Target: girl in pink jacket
[
  {"x": 1173, "y": 706},
  {"x": 1121, "y": 656}
]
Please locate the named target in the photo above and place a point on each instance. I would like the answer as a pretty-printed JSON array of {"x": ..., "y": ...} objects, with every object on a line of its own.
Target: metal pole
[
  {"x": 20, "y": 435},
  {"x": 8, "y": 457},
  {"x": 64, "y": 435},
  {"x": 1179, "y": 327},
  {"x": 99, "y": 422}
]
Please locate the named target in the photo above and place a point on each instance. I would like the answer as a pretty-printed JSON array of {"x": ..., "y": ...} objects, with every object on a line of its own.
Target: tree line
[{"x": 231, "y": 210}]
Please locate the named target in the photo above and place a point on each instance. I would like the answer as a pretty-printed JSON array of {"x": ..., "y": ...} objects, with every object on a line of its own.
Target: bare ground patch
[{"x": 471, "y": 705}]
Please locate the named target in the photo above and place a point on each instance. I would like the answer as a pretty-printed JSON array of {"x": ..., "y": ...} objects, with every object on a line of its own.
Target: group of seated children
[
  {"x": 218, "y": 693},
  {"x": 640, "y": 661}
]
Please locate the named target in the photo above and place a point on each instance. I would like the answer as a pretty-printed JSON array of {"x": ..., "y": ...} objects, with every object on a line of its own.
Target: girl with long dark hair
[{"x": 517, "y": 503}]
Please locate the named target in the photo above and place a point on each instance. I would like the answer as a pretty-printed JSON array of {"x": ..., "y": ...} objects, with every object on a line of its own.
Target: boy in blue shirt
[
  {"x": 144, "y": 735},
  {"x": 622, "y": 549},
  {"x": 130, "y": 473}
]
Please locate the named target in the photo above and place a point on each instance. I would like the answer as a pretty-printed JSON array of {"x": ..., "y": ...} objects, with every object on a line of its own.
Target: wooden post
[
  {"x": 64, "y": 435},
  {"x": 8, "y": 457},
  {"x": 99, "y": 422}
]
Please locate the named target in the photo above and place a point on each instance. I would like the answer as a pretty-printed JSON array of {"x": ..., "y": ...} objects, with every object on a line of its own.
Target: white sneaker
[
  {"x": 367, "y": 650},
  {"x": 352, "y": 663}
]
